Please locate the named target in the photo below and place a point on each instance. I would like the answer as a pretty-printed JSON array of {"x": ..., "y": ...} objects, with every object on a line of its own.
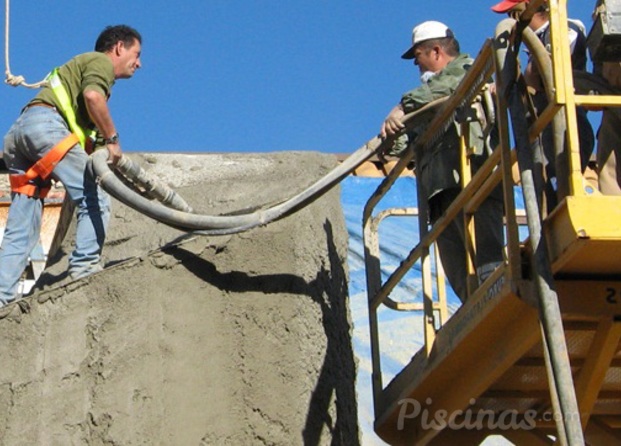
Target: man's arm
[
  {"x": 411, "y": 101},
  {"x": 97, "y": 107}
]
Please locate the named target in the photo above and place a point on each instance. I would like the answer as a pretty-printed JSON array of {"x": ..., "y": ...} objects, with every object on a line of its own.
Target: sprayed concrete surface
[{"x": 193, "y": 340}]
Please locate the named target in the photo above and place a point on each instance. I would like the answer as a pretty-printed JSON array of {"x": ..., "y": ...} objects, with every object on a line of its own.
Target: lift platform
[
  {"x": 534, "y": 352},
  {"x": 489, "y": 357}
]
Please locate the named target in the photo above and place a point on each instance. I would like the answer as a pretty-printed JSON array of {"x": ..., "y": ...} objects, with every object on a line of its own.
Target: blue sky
[{"x": 246, "y": 76}]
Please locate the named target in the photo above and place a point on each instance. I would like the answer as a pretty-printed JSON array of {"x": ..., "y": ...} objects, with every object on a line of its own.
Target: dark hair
[
  {"x": 114, "y": 34},
  {"x": 449, "y": 44}
]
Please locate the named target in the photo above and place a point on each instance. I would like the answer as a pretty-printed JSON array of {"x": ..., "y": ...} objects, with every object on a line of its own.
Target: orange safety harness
[{"x": 36, "y": 181}]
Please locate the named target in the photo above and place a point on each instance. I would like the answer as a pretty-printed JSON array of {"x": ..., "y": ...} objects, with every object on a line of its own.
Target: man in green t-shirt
[
  {"x": 435, "y": 51},
  {"x": 45, "y": 121}
]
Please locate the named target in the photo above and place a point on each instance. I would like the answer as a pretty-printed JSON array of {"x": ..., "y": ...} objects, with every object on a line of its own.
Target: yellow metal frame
[
  {"x": 494, "y": 341},
  {"x": 475, "y": 191}
]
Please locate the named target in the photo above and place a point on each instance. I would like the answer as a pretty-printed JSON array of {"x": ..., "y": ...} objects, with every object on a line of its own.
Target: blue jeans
[{"x": 35, "y": 132}]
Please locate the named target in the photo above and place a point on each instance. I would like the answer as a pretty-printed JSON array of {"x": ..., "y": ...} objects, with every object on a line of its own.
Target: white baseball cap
[{"x": 427, "y": 31}]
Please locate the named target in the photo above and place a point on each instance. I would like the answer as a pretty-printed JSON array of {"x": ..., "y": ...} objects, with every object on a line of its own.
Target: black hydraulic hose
[
  {"x": 229, "y": 224},
  {"x": 592, "y": 84},
  {"x": 555, "y": 345}
]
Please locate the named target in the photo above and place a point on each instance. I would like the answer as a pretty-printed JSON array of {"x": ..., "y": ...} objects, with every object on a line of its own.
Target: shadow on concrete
[{"x": 336, "y": 380}]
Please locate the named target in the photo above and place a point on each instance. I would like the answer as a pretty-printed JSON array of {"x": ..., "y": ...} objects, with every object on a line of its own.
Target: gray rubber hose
[{"x": 181, "y": 219}]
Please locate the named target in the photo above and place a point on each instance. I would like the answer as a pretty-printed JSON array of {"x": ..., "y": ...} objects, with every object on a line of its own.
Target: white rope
[{"x": 11, "y": 79}]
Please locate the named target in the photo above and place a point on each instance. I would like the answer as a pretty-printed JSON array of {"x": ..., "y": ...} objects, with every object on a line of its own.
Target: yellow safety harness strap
[{"x": 67, "y": 109}]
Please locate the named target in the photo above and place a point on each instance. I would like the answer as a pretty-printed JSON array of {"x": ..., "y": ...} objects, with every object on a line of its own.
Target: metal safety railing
[
  {"x": 373, "y": 248},
  {"x": 498, "y": 58},
  {"x": 475, "y": 191}
]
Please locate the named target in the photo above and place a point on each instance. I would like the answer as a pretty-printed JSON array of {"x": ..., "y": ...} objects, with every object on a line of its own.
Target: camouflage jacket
[{"x": 438, "y": 168}]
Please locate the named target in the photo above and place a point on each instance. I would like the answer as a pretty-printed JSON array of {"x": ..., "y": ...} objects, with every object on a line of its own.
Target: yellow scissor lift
[{"x": 533, "y": 354}]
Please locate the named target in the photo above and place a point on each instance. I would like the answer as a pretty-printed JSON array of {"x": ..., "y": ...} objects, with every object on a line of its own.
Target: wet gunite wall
[{"x": 193, "y": 340}]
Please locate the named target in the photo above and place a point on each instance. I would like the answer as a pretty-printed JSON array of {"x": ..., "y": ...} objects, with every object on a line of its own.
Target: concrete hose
[
  {"x": 153, "y": 187},
  {"x": 543, "y": 61},
  {"x": 555, "y": 348},
  {"x": 181, "y": 219}
]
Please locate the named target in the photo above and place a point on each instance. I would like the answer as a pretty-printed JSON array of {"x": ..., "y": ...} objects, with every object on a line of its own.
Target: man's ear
[{"x": 118, "y": 47}]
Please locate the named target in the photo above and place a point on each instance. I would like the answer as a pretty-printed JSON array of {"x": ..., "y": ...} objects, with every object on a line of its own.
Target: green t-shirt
[{"x": 88, "y": 71}]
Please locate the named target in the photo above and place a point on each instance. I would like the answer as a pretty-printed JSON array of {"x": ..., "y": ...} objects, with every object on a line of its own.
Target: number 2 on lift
[{"x": 612, "y": 296}]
